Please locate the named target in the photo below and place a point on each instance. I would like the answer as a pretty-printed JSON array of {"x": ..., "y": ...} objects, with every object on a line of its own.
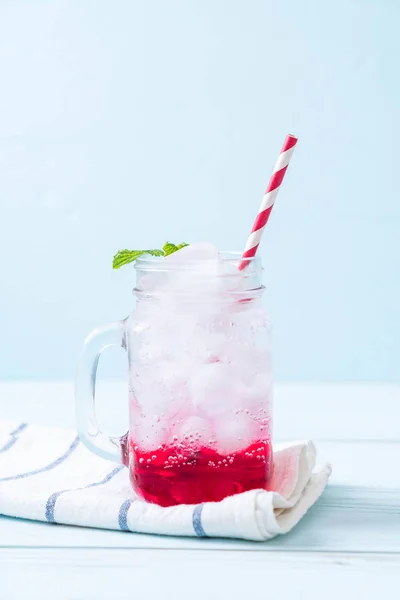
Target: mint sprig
[
  {"x": 123, "y": 257},
  {"x": 169, "y": 248}
]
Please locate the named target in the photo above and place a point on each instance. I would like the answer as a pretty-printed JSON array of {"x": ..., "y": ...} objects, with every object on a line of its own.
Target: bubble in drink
[{"x": 196, "y": 428}]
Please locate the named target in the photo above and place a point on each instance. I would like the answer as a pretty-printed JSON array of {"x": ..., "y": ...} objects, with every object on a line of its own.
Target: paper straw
[{"x": 268, "y": 200}]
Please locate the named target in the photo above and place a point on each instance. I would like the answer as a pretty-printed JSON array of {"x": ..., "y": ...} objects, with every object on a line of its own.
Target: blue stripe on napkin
[
  {"x": 14, "y": 437},
  {"x": 51, "y": 502},
  {"x": 48, "y": 467},
  {"x": 196, "y": 521},
  {"x": 123, "y": 515},
  {"x": 20, "y": 428}
]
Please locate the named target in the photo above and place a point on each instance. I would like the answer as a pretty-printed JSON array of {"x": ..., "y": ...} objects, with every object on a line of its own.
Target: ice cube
[
  {"x": 208, "y": 346},
  {"x": 193, "y": 270},
  {"x": 199, "y": 251},
  {"x": 161, "y": 333},
  {"x": 150, "y": 394},
  {"x": 159, "y": 388},
  {"x": 234, "y": 434},
  {"x": 215, "y": 389},
  {"x": 180, "y": 269},
  {"x": 217, "y": 347},
  {"x": 222, "y": 347}
]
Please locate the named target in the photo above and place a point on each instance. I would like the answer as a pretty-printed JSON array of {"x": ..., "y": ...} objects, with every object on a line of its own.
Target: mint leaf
[
  {"x": 123, "y": 257},
  {"x": 169, "y": 248}
]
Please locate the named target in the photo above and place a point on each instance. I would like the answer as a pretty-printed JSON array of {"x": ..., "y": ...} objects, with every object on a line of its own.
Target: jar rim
[
  {"x": 240, "y": 298},
  {"x": 148, "y": 262}
]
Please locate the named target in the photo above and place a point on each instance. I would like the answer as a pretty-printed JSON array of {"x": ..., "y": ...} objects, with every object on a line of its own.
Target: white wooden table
[{"x": 348, "y": 544}]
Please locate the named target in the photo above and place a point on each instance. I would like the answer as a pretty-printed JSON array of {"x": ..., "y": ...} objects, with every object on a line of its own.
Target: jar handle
[{"x": 111, "y": 448}]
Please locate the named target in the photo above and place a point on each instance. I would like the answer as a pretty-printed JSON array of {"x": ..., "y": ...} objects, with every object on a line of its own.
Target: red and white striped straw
[{"x": 268, "y": 201}]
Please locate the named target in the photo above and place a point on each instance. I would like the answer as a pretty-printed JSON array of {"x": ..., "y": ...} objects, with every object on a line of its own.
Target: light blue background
[{"x": 126, "y": 123}]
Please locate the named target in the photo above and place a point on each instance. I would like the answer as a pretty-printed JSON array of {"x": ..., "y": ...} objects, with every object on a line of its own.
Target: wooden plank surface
[{"x": 197, "y": 575}]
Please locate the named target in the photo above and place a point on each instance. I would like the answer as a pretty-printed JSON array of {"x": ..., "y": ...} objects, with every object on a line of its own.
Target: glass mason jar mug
[{"x": 200, "y": 381}]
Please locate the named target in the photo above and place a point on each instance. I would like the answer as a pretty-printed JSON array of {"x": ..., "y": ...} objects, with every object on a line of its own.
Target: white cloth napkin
[{"x": 47, "y": 474}]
